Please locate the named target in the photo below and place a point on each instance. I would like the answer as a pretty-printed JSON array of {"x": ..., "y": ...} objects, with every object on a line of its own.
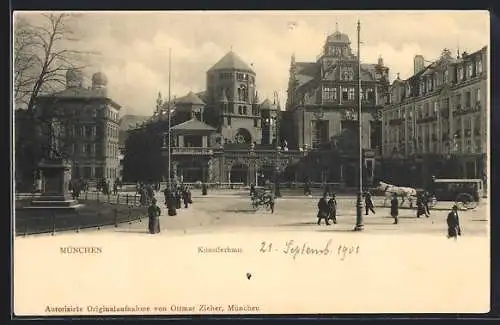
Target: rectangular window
[
  {"x": 93, "y": 149},
  {"x": 458, "y": 101},
  {"x": 460, "y": 74},
  {"x": 478, "y": 96},
  {"x": 229, "y": 120},
  {"x": 88, "y": 148},
  {"x": 468, "y": 100},
  {"x": 351, "y": 93},
  {"x": 255, "y": 123},
  {"x": 344, "y": 94},
  {"x": 469, "y": 70},
  {"x": 479, "y": 67}
]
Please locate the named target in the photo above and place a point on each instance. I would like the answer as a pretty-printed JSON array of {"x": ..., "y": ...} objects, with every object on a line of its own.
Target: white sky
[{"x": 134, "y": 46}]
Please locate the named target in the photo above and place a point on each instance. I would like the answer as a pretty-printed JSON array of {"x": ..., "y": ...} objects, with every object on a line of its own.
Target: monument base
[{"x": 56, "y": 174}]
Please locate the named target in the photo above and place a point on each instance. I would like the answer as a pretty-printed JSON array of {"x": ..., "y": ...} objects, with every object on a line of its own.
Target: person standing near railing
[{"x": 154, "y": 213}]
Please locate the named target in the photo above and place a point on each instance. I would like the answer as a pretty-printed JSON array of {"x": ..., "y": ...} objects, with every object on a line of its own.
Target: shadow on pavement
[
  {"x": 133, "y": 231},
  {"x": 240, "y": 210},
  {"x": 303, "y": 223},
  {"x": 336, "y": 230}
]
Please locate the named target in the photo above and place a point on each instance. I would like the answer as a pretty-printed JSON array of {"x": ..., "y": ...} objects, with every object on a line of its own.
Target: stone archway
[{"x": 243, "y": 136}]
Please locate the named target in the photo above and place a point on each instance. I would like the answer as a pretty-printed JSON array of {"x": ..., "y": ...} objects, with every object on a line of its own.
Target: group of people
[
  {"x": 173, "y": 197},
  {"x": 327, "y": 210},
  {"x": 327, "y": 207}
]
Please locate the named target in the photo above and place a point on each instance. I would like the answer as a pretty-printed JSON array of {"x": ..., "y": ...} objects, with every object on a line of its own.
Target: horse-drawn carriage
[
  {"x": 262, "y": 198},
  {"x": 465, "y": 193}
]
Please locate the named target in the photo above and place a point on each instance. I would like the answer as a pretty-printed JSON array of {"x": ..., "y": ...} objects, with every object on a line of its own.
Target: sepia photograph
[{"x": 250, "y": 162}]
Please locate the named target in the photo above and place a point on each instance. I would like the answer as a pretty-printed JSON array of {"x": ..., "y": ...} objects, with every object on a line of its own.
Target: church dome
[
  {"x": 231, "y": 61},
  {"x": 338, "y": 37},
  {"x": 74, "y": 78},
  {"x": 99, "y": 79}
]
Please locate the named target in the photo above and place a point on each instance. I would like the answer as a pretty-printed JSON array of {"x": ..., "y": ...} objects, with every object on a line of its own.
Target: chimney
[{"x": 418, "y": 63}]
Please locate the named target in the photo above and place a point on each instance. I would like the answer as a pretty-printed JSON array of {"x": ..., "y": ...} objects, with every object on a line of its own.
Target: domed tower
[
  {"x": 74, "y": 78},
  {"x": 232, "y": 80},
  {"x": 99, "y": 82}
]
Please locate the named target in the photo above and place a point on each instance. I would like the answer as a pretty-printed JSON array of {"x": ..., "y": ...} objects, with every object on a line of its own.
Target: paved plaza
[{"x": 227, "y": 211}]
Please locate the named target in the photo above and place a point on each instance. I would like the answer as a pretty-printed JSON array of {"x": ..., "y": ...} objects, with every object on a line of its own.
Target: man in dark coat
[
  {"x": 178, "y": 195},
  {"x": 332, "y": 205},
  {"x": 368, "y": 203},
  {"x": 421, "y": 209},
  {"x": 171, "y": 202},
  {"x": 453, "y": 223},
  {"x": 323, "y": 210},
  {"x": 395, "y": 208},
  {"x": 154, "y": 213}
]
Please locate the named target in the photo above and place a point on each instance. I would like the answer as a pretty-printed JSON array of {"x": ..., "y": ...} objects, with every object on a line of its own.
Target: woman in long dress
[
  {"x": 453, "y": 223},
  {"x": 154, "y": 213},
  {"x": 394, "y": 208}
]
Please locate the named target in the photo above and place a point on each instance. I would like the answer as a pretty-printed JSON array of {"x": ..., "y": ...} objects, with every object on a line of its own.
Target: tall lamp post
[
  {"x": 277, "y": 191},
  {"x": 359, "y": 200}
]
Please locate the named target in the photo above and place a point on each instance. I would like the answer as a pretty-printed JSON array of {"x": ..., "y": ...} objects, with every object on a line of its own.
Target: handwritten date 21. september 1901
[{"x": 295, "y": 249}]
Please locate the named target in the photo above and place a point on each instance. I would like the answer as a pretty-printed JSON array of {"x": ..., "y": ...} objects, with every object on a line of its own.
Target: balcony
[
  {"x": 468, "y": 109},
  {"x": 397, "y": 121},
  {"x": 426, "y": 119},
  {"x": 191, "y": 151}
]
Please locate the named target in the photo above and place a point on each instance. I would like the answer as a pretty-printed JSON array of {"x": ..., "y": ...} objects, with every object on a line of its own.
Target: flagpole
[{"x": 169, "y": 122}]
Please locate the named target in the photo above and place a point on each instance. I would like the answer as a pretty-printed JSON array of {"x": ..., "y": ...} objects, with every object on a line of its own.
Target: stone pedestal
[{"x": 56, "y": 175}]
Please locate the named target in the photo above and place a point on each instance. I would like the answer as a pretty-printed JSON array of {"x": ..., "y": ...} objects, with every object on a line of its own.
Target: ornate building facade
[
  {"x": 322, "y": 107},
  {"x": 436, "y": 122},
  {"x": 224, "y": 134},
  {"x": 87, "y": 123}
]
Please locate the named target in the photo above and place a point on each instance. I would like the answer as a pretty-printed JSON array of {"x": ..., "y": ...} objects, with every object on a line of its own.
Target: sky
[{"x": 133, "y": 47}]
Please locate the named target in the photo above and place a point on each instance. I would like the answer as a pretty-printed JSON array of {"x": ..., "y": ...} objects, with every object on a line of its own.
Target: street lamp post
[
  {"x": 277, "y": 192},
  {"x": 359, "y": 200}
]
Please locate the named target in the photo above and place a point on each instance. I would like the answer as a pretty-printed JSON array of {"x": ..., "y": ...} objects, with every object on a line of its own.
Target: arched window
[{"x": 243, "y": 93}]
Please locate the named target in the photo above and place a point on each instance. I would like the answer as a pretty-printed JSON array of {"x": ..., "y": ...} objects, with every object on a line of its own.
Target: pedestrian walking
[
  {"x": 426, "y": 199},
  {"x": 421, "y": 209},
  {"x": 323, "y": 210},
  {"x": 395, "y": 208},
  {"x": 154, "y": 213},
  {"x": 178, "y": 198},
  {"x": 332, "y": 205},
  {"x": 203, "y": 188},
  {"x": 368, "y": 203},
  {"x": 185, "y": 197},
  {"x": 115, "y": 188},
  {"x": 453, "y": 223}
]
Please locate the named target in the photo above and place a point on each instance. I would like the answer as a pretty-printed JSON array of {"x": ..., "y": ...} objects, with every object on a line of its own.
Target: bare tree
[
  {"x": 45, "y": 47},
  {"x": 42, "y": 54}
]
